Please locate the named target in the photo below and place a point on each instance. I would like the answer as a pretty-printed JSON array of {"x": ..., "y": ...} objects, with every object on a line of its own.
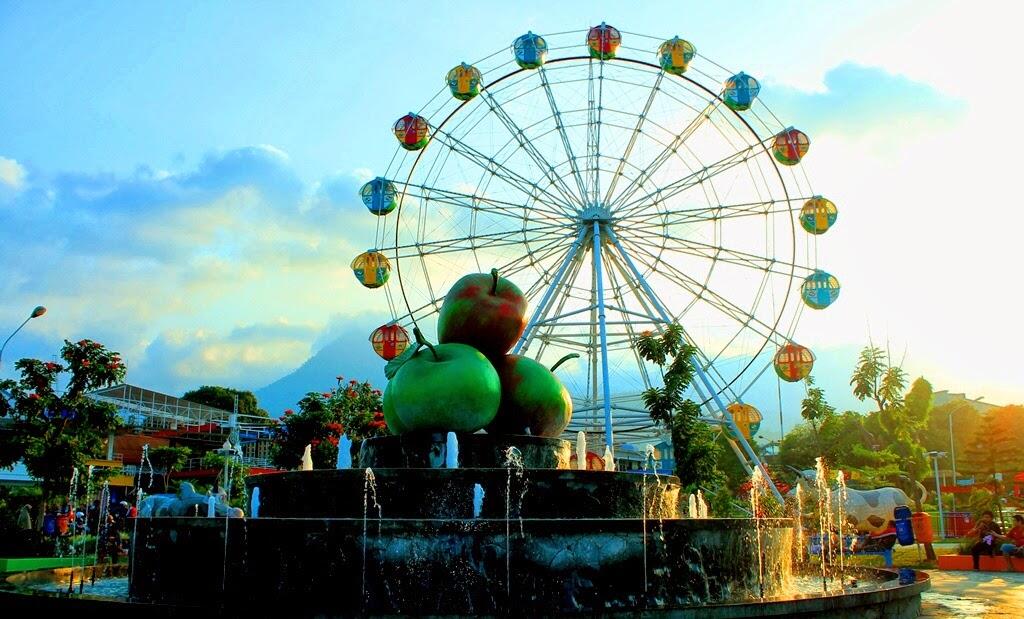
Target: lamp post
[
  {"x": 935, "y": 455},
  {"x": 36, "y": 313}
]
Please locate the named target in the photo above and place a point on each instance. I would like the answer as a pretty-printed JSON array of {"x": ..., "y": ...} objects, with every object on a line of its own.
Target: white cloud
[
  {"x": 168, "y": 269},
  {"x": 12, "y": 173}
]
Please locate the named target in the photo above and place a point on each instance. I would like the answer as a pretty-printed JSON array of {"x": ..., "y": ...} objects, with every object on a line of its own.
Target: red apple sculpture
[
  {"x": 533, "y": 400},
  {"x": 484, "y": 311},
  {"x": 443, "y": 388}
]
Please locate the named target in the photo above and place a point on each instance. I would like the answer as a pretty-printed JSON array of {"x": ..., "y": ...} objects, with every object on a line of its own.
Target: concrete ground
[
  {"x": 974, "y": 595},
  {"x": 960, "y": 595}
]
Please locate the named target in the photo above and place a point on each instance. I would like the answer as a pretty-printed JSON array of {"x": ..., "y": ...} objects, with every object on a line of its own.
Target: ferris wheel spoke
[
  {"x": 478, "y": 241},
  {"x": 524, "y": 185},
  {"x": 714, "y": 212},
  {"x": 556, "y": 284},
  {"x": 637, "y": 129},
  {"x": 530, "y": 149},
  {"x": 595, "y": 97},
  {"x": 703, "y": 292},
  {"x": 480, "y": 203},
  {"x": 666, "y": 154},
  {"x": 507, "y": 269},
  {"x": 714, "y": 252},
  {"x": 691, "y": 180},
  {"x": 560, "y": 126},
  {"x": 619, "y": 299}
]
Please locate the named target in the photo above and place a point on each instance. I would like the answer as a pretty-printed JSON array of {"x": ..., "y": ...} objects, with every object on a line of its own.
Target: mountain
[{"x": 348, "y": 355}]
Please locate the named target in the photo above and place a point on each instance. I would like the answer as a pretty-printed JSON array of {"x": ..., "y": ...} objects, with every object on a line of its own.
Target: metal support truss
[{"x": 709, "y": 393}]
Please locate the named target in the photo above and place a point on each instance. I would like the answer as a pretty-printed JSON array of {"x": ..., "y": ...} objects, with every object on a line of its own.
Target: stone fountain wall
[{"x": 546, "y": 540}]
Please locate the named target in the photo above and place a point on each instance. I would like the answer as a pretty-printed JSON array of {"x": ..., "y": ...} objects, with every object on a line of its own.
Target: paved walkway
[{"x": 974, "y": 595}]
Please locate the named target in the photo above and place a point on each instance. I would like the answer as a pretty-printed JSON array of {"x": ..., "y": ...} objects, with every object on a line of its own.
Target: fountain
[
  {"x": 511, "y": 526},
  {"x": 451, "y": 452}
]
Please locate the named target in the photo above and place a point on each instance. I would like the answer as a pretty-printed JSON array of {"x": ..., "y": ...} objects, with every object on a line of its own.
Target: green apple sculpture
[
  {"x": 532, "y": 398},
  {"x": 484, "y": 311},
  {"x": 390, "y": 416},
  {"x": 443, "y": 388}
]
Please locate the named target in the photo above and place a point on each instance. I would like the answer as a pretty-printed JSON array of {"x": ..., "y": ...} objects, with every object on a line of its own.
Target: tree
[
  {"x": 815, "y": 408},
  {"x": 995, "y": 444},
  {"x": 693, "y": 442},
  {"x": 54, "y": 431},
  {"x": 168, "y": 460},
  {"x": 844, "y": 443},
  {"x": 353, "y": 409},
  {"x": 224, "y": 399},
  {"x": 936, "y": 434},
  {"x": 900, "y": 417},
  {"x": 237, "y": 472}
]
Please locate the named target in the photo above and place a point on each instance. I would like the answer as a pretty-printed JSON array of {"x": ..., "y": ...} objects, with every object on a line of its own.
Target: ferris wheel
[{"x": 623, "y": 182}]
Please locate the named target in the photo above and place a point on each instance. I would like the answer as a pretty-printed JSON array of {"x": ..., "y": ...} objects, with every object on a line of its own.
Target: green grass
[
  {"x": 26, "y": 564},
  {"x": 907, "y": 556}
]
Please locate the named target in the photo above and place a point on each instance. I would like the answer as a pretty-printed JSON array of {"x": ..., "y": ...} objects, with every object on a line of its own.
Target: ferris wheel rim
[
  {"x": 774, "y": 334},
  {"x": 712, "y": 96}
]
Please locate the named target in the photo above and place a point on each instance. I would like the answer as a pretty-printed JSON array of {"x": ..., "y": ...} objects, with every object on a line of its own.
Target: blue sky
[{"x": 177, "y": 179}]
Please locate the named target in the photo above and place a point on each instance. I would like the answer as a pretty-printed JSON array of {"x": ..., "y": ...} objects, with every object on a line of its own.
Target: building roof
[{"x": 155, "y": 411}]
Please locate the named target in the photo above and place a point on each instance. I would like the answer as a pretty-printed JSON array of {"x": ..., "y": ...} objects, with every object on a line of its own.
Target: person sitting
[
  {"x": 876, "y": 542},
  {"x": 1014, "y": 542},
  {"x": 988, "y": 532}
]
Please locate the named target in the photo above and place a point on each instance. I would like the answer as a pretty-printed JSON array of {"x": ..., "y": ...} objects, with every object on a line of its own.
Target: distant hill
[{"x": 348, "y": 355}]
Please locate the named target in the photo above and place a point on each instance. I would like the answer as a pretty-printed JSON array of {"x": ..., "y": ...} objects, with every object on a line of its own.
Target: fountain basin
[
  {"x": 455, "y": 566},
  {"x": 428, "y": 450},
  {"x": 880, "y": 595},
  {"x": 448, "y": 493}
]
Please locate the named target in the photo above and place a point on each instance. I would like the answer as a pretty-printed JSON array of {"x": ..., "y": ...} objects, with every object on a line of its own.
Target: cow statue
[
  {"x": 187, "y": 502},
  {"x": 868, "y": 511}
]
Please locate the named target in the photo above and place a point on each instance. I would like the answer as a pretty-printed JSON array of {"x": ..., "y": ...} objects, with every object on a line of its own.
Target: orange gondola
[
  {"x": 412, "y": 131},
  {"x": 793, "y": 362},
  {"x": 603, "y": 41},
  {"x": 389, "y": 341}
]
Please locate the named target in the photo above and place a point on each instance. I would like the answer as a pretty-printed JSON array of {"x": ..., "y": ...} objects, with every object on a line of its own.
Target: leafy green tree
[
  {"x": 693, "y": 441},
  {"x": 995, "y": 442},
  {"x": 900, "y": 416},
  {"x": 815, "y": 408},
  {"x": 936, "y": 434},
  {"x": 168, "y": 460},
  {"x": 352, "y": 408},
  {"x": 224, "y": 399},
  {"x": 235, "y": 479},
  {"x": 54, "y": 431}
]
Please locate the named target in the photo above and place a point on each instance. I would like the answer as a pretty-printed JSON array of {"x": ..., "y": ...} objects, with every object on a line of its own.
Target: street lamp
[
  {"x": 935, "y": 455},
  {"x": 36, "y": 313}
]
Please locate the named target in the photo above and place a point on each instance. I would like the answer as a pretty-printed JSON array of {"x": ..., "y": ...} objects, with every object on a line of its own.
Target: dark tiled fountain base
[
  {"x": 479, "y": 539},
  {"x": 454, "y": 566}
]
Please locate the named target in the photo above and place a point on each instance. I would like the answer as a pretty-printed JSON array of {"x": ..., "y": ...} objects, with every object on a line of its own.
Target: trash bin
[
  {"x": 904, "y": 527},
  {"x": 922, "y": 527}
]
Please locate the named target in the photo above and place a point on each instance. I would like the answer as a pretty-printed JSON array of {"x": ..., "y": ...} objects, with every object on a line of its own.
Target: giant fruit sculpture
[
  {"x": 485, "y": 311},
  {"x": 533, "y": 400},
  {"x": 458, "y": 384},
  {"x": 448, "y": 387}
]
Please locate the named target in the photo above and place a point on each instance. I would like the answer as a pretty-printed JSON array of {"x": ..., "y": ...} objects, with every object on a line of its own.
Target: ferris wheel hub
[{"x": 596, "y": 212}]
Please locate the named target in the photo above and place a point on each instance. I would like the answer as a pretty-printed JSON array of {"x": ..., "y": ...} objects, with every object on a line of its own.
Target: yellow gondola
[{"x": 371, "y": 268}]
